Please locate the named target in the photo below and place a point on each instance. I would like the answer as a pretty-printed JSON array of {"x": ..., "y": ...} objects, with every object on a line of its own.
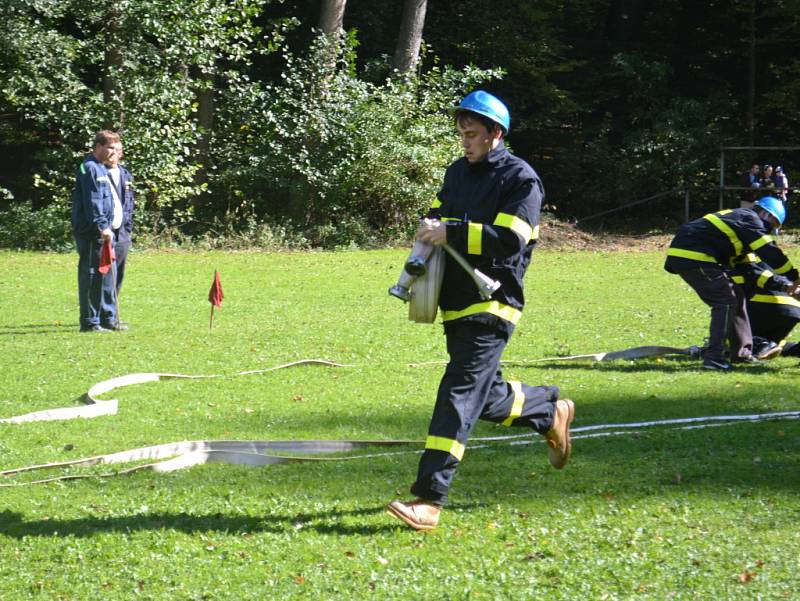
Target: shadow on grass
[
  {"x": 13, "y": 524},
  {"x": 666, "y": 365},
  {"x": 38, "y": 328}
]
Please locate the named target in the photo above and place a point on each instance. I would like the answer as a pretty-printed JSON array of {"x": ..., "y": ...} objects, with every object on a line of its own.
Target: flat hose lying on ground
[{"x": 179, "y": 455}]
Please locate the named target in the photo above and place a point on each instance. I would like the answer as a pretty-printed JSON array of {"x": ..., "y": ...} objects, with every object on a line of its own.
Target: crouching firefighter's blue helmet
[
  {"x": 773, "y": 206},
  {"x": 487, "y": 105}
]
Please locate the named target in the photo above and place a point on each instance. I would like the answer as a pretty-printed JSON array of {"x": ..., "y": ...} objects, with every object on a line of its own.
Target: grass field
[{"x": 659, "y": 513}]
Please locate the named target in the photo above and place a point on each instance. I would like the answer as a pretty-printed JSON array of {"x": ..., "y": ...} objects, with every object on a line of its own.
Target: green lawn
[{"x": 660, "y": 513}]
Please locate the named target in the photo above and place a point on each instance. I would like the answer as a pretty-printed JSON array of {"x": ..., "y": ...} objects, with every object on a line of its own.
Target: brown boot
[
  {"x": 557, "y": 437},
  {"x": 419, "y": 513}
]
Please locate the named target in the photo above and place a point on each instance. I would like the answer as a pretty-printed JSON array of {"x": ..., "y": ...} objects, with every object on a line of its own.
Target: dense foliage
[{"x": 236, "y": 120}]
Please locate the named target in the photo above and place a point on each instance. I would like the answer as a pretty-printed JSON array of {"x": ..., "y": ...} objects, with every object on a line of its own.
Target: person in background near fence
[
  {"x": 750, "y": 180},
  {"x": 488, "y": 210},
  {"x": 766, "y": 182},
  {"x": 772, "y": 311},
  {"x": 122, "y": 191},
  {"x": 701, "y": 253},
  {"x": 781, "y": 183},
  {"x": 95, "y": 215}
]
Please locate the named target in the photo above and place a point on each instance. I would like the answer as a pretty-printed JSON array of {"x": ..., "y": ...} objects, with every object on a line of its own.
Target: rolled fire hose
[{"x": 424, "y": 303}]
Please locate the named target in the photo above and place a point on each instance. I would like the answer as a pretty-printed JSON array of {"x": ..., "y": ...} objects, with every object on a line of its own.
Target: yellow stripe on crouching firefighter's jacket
[
  {"x": 764, "y": 278},
  {"x": 690, "y": 254},
  {"x": 448, "y": 445},
  {"x": 762, "y": 241},
  {"x": 519, "y": 226},
  {"x": 738, "y": 247},
  {"x": 784, "y": 268},
  {"x": 474, "y": 238},
  {"x": 775, "y": 300},
  {"x": 519, "y": 401},
  {"x": 436, "y": 203},
  {"x": 495, "y": 308}
]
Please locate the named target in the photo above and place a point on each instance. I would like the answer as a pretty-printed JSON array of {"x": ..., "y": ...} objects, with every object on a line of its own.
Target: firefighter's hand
[
  {"x": 794, "y": 289},
  {"x": 107, "y": 234},
  {"x": 432, "y": 231}
]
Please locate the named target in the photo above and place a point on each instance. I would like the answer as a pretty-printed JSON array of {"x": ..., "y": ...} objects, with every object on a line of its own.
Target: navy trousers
[
  {"x": 473, "y": 388},
  {"x": 121, "y": 248},
  {"x": 729, "y": 334},
  {"x": 96, "y": 292}
]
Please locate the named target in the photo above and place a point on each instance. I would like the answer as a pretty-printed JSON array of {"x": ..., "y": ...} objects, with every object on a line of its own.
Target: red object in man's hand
[{"x": 107, "y": 257}]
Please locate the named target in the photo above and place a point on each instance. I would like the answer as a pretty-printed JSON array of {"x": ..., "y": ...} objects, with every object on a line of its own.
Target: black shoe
[
  {"x": 116, "y": 327},
  {"x": 770, "y": 350},
  {"x": 94, "y": 328},
  {"x": 717, "y": 364}
]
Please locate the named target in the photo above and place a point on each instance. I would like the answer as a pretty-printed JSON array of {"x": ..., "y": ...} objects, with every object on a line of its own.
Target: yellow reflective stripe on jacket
[
  {"x": 474, "y": 238},
  {"x": 763, "y": 278},
  {"x": 762, "y": 241},
  {"x": 784, "y": 268},
  {"x": 83, "y": 169},
  {"x": 436, "y": 204},
  {"x": 519, "y": 401},
  {"x": 448, "y": 445},
  {"x": 495, "y": 308},
  {"x": 775, "y": 300},
  {"x": 738, "y": 279},
  {"x": 517, "y": 225},
  {"x": 690, "y": 254},
  {"x": 535, "y": 233},
  {"x": 725, "y": 229}
]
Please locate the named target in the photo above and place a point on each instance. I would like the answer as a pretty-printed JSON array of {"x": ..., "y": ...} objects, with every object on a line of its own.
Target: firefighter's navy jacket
[
  {"x": 491, "y": 211},
  {"x": 764, "y": 289},
  {"x": 92, "y": 203},
  {"x": 719, "y": 238}
]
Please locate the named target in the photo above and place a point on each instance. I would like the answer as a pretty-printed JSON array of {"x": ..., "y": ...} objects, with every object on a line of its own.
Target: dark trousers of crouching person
[
  {"x": 729, "y": 321},
  {"x": 472, "y": 388}
]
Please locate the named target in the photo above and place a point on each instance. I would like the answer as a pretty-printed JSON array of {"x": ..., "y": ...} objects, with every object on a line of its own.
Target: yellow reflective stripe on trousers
[
  {"x": 775, "y": 300},
  {"x": 738, "y": 248},
  {"x": 474, "y": 238},
  {"x": 495, "y": 308},
  {"x": 517, "y": 225},
  {"x": 690, "y": 254},
  {"x": 763, "y": 278},
  {"x": 784, "y": 268},
  {"x": 519, "y": 401},
  {"x": 762, "y": 241},
  {"x": 448, "y": 445}
]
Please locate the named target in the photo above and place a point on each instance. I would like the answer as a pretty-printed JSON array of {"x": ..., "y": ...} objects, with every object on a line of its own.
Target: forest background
[{"x": 325, "y": 123}]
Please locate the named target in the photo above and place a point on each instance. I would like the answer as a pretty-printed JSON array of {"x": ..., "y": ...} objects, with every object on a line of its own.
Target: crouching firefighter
[
  {"x": 773, "y": 312},
  {"x": 487, "y": 211},
  {"x": 702, "y": 252}
]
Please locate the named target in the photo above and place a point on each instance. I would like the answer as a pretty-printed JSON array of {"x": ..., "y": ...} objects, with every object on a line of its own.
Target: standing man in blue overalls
[
  {"x": 95, "y": 216},
  {"x": 122, "y": 191}
]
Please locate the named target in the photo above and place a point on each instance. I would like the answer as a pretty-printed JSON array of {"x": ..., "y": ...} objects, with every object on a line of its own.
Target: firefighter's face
[{"x": 476, "y": 140}]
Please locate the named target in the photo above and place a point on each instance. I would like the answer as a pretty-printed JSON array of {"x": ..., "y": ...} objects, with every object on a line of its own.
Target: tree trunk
[
  {"x": 331, "y": 17},
  {"x": 206, "y": 106},
  {"x": 406, "y": 53},
  {"x": 112, "y": 64},
  {"x": 750, "y": 120}
]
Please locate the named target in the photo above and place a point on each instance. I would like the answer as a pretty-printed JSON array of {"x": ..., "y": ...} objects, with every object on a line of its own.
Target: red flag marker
[
  {"x": 215, "y": 296},
  {"x": 107, "y": 257}
]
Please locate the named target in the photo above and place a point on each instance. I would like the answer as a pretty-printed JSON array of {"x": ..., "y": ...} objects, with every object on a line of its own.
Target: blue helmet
[
  {"x": 773, "y": 206},
  {"x": 487, "y": 105}
]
